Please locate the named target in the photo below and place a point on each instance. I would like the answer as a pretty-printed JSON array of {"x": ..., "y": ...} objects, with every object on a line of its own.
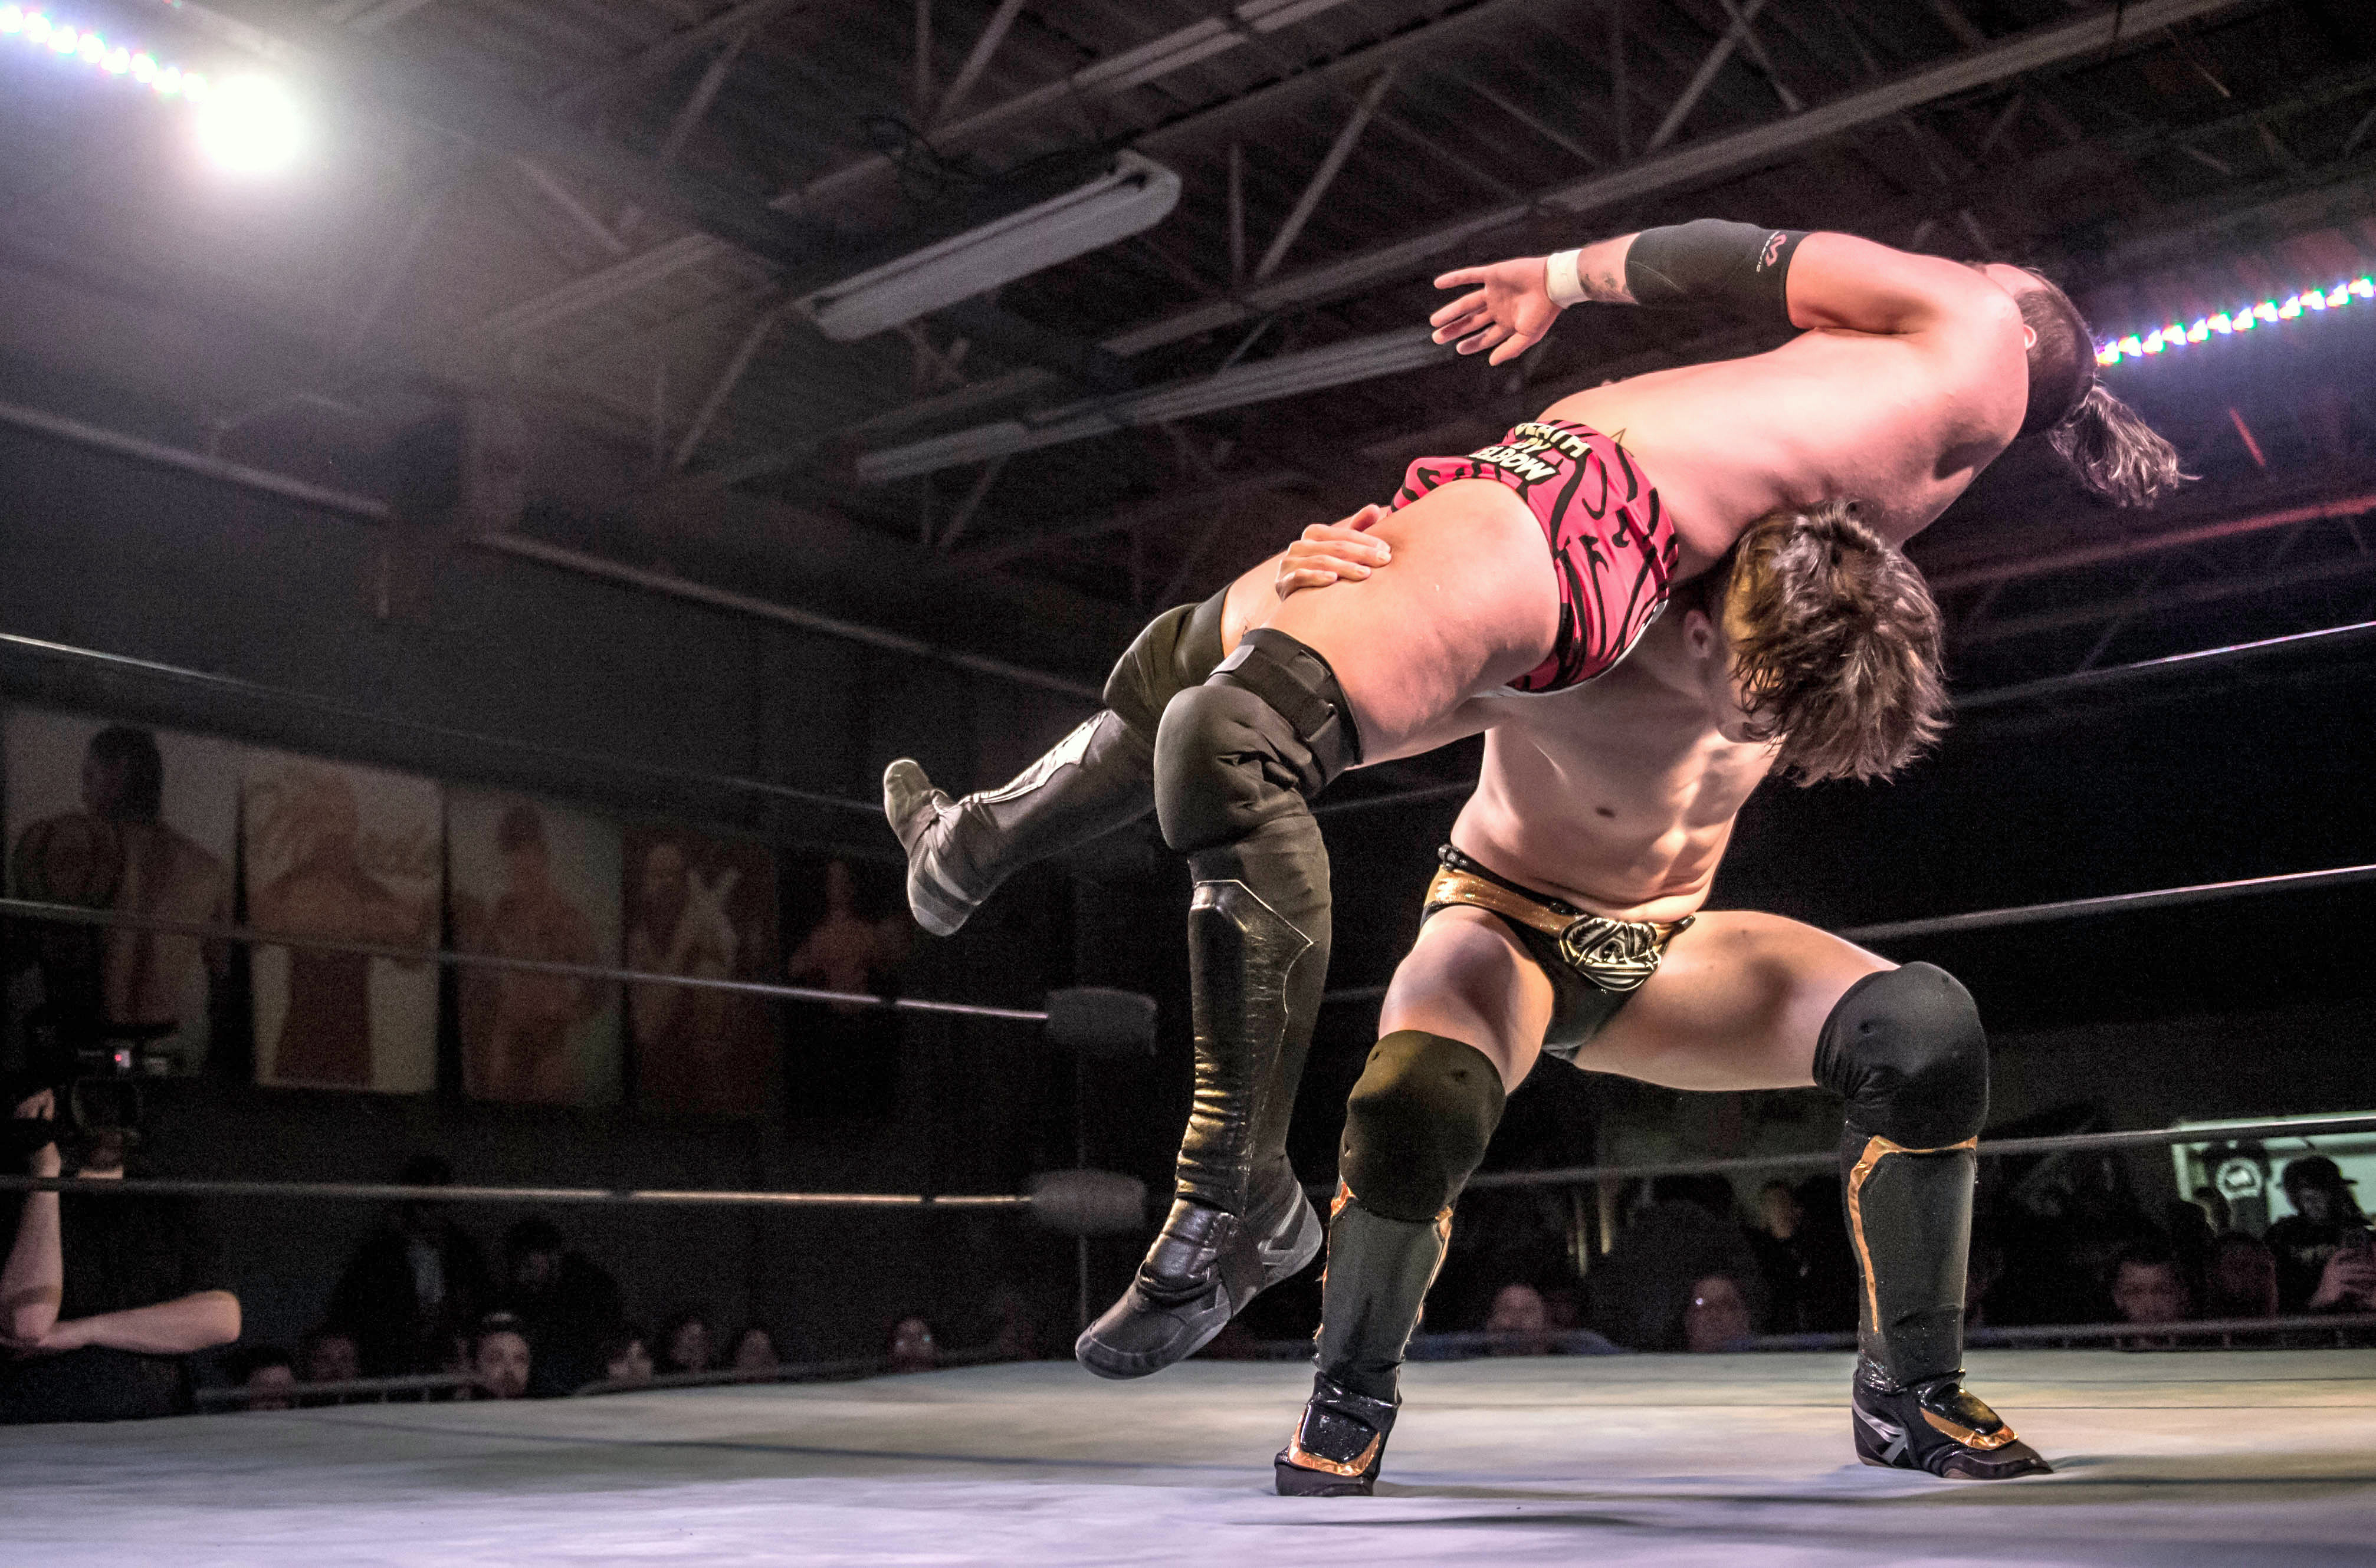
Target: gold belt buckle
[{"x": 1615, "y": 955}]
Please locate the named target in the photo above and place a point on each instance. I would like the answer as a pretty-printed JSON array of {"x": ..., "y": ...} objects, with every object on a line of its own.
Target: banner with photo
[
  {"x": 532, "y": 880},
  {"x": 353, "y": 854},
  {"x": 706, "y": 906},
  {"x": 123, "y": 817},
  {"x": 848, "y": 929}
]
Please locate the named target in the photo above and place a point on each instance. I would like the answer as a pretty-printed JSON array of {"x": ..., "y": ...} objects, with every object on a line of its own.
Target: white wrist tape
[{"x": 1561, "y": 280}]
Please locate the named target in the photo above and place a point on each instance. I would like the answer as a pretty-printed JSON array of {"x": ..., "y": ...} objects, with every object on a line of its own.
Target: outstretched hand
[
  {"x": 1508, "y": 309},
  {"x": 1329, "y": 553}
]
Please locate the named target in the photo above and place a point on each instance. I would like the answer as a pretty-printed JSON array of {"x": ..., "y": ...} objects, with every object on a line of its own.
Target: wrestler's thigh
[
  {"x": 1736, "y": 1004},
  {"x": 1471, "y": 601},
  {"x": 1467, "y": 978}
]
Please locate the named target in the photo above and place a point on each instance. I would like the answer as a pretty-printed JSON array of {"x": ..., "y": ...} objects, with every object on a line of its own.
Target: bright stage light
[
  {"x": 248, "y": 124},
  {"x": 2225, "y": 324}
]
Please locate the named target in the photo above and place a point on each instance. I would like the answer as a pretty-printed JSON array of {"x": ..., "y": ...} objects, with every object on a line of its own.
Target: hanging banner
[
  {"x": 704, "y": 906},
  {"x": 353, "y": 854},
  {"x": 532, "y": 880}
]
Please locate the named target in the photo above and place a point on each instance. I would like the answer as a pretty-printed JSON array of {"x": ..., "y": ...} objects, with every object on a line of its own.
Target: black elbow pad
[{"x": 1710, "y": 261}]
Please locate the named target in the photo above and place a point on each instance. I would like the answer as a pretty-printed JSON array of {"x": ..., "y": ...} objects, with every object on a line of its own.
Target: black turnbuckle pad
[
  {"x": 1101, "y": 1024},
  {"x": 1088, "y": 1202}
]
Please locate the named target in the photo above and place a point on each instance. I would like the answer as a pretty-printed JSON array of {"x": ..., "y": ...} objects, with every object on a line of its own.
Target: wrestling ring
[{"x": 2228, "y": 1442}]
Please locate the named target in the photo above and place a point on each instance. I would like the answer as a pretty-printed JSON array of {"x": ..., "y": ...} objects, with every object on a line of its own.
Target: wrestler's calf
[{"x": 1905, "y": 1049}]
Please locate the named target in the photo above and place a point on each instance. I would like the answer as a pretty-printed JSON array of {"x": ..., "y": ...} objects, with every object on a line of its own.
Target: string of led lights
[
  {"x": 2226, "y": 324},
  {"x": 249, "y": 124},
  {"x": 41, "y": 30}
]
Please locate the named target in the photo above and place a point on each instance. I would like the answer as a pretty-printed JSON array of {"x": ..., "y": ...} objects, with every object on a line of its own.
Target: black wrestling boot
[
  {"x": 1937, "y": 1426},
  {"x": 1338, "y": 1445},
  {"x": 1379, "y": 1272},
  {"x": 1910, "y": 1219},
  {"x": 1099, "y": 778},
  {"x": 1093, "y": 781},
  {"x": 1205, "y": 1266}
]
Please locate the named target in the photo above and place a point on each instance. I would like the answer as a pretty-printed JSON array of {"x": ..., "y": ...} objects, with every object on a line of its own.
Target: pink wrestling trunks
[{"x": 1610, "y": 542}]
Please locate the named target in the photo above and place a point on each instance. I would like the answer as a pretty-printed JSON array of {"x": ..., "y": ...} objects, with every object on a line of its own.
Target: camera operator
[{"x": 102, "y": 1297}]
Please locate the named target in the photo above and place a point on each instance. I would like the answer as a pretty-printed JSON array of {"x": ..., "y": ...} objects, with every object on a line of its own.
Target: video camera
[{"x": 95, "y": 1074}]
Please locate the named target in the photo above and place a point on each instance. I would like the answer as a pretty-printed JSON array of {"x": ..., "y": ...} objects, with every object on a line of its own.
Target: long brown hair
[
  {"x": 2114, "y": 452},
  {"x": 1836, "y": 641}
]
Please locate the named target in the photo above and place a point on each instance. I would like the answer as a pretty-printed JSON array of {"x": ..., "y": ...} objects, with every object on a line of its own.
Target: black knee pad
[
  {"x": 1173, "y": 652},
  {"x": 1416, "y": 1124},
  {"x": 1905, "y": 1050},
  {"x": 1271, "y": 725}
]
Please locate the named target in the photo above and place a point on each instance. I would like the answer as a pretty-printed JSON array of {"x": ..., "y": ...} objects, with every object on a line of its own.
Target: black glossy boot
[
  {"x": 1338, "y": 1445},
  {"x": 1205, "y": 1266},
  {"x": 1909, "y": 1213},
  {"x": 1379, "y": 1272},
  {"x": 1938, "y": 1426},
  {"x": 1099, "y": 778}
]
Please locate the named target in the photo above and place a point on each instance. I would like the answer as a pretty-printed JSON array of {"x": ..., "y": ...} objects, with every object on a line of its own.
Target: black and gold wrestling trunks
[{"x": 1593, "y": 962}]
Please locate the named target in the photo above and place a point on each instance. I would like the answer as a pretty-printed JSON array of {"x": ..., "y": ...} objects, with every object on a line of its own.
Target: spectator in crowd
[
  {"x": 755, "y": 1352},
  {"x": 1520, "y": 1321},
  {"x": 1827, "y": 1293},
  {"x": 565, "y": 1302},
  {"x": 1015, "y": 1332},
  {"x": 2215, "y": 1209},
  {"x": 1718, "y": 1316},
  {"x": 626, "y": 1359},
  {"x": 2348, "y": 1283},
  {"x": 911, "y": 1347},
  {"x": 2147, "y": 1284},
  {"x": 2303, "y": 1241},
  {"x": 102, "y": 1299},
  {"x": 329, "y": 1355},
  {"x": 414, "y": 1285},
  {"x": 1641, "y": 1291},
  {"x": 686, "y": 1345},
  {"x": 2240, "y": 1277},
  {"x": 268, "y": 1375},
  {"x": 1784, "y": 1258},
  {"x": 501, "y": 1358}
]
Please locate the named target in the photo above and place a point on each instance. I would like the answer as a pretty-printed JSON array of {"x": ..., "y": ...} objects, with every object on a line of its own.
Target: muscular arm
[
  {"x": 33, "y": 1282},
  {"x": 1842, "y": 283},
  {"x": 196, "y": 1322}
]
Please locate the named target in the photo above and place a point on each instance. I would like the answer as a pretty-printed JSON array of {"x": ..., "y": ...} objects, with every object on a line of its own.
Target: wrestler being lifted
[
  {"x": 1566, "y": 917},
  {"x": 1533, "y": 566}
]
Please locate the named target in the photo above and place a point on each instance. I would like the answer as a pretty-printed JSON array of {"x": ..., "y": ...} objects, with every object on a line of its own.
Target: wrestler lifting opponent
[
  {"x": 1567, "y": 918},
  {"x": 1536, "y": 562}
]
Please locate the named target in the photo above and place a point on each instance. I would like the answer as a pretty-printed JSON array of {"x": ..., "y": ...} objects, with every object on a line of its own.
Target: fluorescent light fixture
[
  {"x": 1135, "y": 194},
  {"x": 2119, "y": 350},
  {"x": 1288, "y": 376}
]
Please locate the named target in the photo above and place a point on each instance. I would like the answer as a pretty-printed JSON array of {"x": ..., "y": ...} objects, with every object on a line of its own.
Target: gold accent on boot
[
  {"x": 1298, "y": 1457},
  {"x": 1874, "y": 1149}
]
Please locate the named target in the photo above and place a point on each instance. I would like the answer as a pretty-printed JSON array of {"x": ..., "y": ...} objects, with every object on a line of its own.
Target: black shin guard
[
  {"x": 1905, "y": 1049},
  {"x": 1415, "y": 1126},
  {"x": 1096, "y": 779},
  {"x": 1235, "y": 759},
  {"x": 1236, "y": 762}
]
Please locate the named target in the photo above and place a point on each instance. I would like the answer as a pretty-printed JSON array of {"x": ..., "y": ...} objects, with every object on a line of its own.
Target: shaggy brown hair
[{"x": 1836, "y": 641}]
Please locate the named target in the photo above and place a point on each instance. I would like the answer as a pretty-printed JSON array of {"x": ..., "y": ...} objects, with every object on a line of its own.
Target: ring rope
[
  {"x": 379, "y": 1191},
  {"x": 334, "y": 709},
  {"x": 2066, "y": 908},
  {"x": 2059, "y": 1143},
  {"x": 2066, "y": 1142},
  {"x": 74, "y": 914}
]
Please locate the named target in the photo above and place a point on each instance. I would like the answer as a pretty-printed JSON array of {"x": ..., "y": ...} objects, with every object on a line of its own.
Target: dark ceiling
[{"x": 605, "y": 211}]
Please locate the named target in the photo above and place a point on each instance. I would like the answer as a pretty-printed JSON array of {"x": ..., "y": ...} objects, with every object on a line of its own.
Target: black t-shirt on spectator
[
  {"x": 2302, "y": 1248},
  {"x": 119, "y": 1254}
]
